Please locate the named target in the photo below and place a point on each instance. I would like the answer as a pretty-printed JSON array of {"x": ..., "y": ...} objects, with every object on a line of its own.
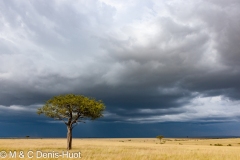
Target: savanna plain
[{"x": 130, "y": 148}]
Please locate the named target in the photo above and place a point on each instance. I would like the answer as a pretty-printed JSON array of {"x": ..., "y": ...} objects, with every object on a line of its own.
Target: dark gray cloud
[{"x": 148, "y": 61}]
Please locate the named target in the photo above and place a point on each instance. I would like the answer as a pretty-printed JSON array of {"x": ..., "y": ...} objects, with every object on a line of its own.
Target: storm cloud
[{"x": 149, "y": 61}]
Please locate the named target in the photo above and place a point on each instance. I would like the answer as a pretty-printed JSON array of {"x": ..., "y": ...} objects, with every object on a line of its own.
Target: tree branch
[
  {"x": 70, "y": 116},
  {"x": 76, "y": 119},
  {"x": 74, "y": 125},
  {"x": 61, "y": 120}
]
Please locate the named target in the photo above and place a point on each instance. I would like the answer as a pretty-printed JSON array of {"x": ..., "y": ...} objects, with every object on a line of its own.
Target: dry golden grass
[{"x": 131, "y": 148}]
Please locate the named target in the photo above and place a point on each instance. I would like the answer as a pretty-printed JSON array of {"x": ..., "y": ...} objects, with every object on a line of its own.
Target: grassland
[{"x": 131, "y": 148}]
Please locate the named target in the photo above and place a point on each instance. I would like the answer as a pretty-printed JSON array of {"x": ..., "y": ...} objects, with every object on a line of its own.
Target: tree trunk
[{"x": 69, "y": 138}]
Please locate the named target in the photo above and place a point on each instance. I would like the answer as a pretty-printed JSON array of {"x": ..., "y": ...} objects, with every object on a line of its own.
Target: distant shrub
[
  {"x": 229, "y": 145},
  {"x": 180, "y": 143},
  {"x": 218, "y": 144},
  {"x": 210, "y": 144},
  {"x": 160, "y": 137}
]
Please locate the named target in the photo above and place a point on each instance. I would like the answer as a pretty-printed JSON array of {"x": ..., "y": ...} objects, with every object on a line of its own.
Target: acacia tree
[
  {"x": 72, "y": 109},
  {"x": 160, "y": 137}
]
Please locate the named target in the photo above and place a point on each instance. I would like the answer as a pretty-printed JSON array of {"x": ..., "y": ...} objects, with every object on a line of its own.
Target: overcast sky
[{"x": 167, "y": 67}]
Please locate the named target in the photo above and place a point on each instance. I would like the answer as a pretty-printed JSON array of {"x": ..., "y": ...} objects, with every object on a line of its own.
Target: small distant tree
[
  {"x": 72, "y": 109},
  {"x": 160, "y": 137}
]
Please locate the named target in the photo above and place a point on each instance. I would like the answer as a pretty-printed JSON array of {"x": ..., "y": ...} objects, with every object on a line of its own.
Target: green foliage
[
  {"x": 160, "y": 137},
  {"x": 218, "y": 144},
  {"x": 72, "y": 108}
]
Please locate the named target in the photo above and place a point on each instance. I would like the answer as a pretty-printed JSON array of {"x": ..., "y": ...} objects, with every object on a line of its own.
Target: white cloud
[
  {"x": 13, "y": 109},
  {"x": 200, "y": 109}
]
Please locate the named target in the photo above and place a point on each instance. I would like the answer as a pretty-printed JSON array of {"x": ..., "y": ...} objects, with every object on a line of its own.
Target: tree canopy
[{"x": 71, "y": 109}]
